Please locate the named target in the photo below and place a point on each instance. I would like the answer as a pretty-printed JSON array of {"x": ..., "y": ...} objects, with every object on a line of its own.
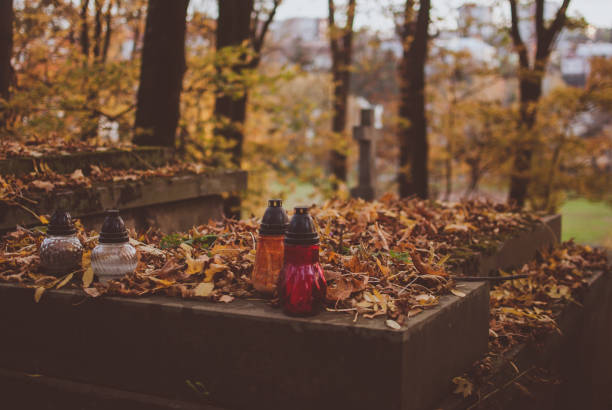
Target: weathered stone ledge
[
  {"x": 516, "y": 251},
  {"x": 154, "y": 345},
  {"x": 169, "y": 203},
  {"x": 137, "y": 158},
  {"x": 579, "y": 358}
]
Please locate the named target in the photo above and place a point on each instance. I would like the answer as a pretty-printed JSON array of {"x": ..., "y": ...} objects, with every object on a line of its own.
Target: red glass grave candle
[
  {"x": 270, "y": 247},
  {"x": 301, "y": 284}
]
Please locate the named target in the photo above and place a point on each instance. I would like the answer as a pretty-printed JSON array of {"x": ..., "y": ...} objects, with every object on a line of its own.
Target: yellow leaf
[
  {"x": 64, "y": 281},
  {"x": 43, "y": 219},
  {"x": 204, "y": 289},
  {"x": 38, "y": 293},
  {"x": 186, "y": 248},
  {"x": 88, "y": 276},
  {"x": 212, "y": 269},
  {"x": 161, "y": 281},
  {"x": 195, "y": 265},
  {"x": 457, "y": 293},
  {"x": 383, "y": 269}
]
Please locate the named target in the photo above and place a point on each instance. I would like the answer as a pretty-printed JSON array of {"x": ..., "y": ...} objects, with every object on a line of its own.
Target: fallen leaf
[
  {"x": 77, "y": 175},
  {"x": 212, "y": 269},
  {"x": 195, "y": 265},
  {"x": 457, "y": 293},
  {"x": 47, "y": 186},
  {"x": 38, "y": 293},
  {"x": 43, "y": 219},
  {"x": 393, "y": 324},
  {"x": 93, "y": 292},
  {"x": 204, "y": 289},
  {"x": 88, "y": 274},
  {"x": 339, "y": 290},
  {"x": 464, "y": 386},
  {"x": 226, "y": 298},
  {"x": 64, "y": 281}
]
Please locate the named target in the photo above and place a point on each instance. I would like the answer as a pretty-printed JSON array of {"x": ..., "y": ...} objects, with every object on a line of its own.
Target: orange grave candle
[{"x": 270, "y": 248}]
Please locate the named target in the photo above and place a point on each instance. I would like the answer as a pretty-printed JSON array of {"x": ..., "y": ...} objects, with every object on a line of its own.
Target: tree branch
[
  {"x": 549, "y": 34},
  {"x": 519, "y": 45},
  {"x": 332, "y": 29},
  {"x": 258, "y": 39},
  {"x": 407, "y": 28},
  {"x": 347, "y": 36}
]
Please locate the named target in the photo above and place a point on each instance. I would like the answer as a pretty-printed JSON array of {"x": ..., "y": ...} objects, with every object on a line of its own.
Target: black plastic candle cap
[
  {"x": 113, "y": 228},
  {"x": 275, "y": 220},
  {"x": 302, "y": 229},
  {"x": 61, "y": 224}
]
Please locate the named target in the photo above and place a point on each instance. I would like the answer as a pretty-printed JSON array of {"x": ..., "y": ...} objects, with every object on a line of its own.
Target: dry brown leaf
[
  {"x": 93, "y": 292},
  {"x": 464, "y": 386},
  {"x": 47, "y": 186}
]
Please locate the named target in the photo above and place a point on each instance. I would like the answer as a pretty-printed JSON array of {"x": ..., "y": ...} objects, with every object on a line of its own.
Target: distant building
[
  {"x": 476, "y": 47},
  {"x": 576, "y": 66}
]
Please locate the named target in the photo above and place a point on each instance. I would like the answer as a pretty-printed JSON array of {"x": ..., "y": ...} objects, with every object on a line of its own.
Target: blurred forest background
[{"x": 506, "y": 100}]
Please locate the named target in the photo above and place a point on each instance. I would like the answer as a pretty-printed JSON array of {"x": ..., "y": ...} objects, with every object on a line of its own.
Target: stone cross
[{"x": 365, "y": 134}]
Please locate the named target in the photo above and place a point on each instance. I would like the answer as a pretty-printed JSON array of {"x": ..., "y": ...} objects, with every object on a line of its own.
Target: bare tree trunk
[
  {"x": 341, "y": 44},
  {"x": 413, "y": 161},
  {"x": 233, "y": 29},
  {"x": 84, "y": 36},
  {"x": 161, "y": 73},
  {"x": 6, "y": 51},
  {"x": 530, "y": 93},
  {"x": 108, "y": 30},
  {"x": 97, "y": 29},
  {"x": 530, "y": 87},
  {"x": 237, "y": 23}
]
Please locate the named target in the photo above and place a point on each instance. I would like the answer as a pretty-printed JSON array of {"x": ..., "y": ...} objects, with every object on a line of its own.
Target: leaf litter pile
[
  {"x": 526, "y": 310},
  {"x": 391, "y": 258},
  {"x": 38, "y": 148}
]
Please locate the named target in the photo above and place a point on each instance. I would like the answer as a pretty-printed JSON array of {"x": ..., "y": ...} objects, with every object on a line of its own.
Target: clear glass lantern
[{"x": 114, "y": 257}]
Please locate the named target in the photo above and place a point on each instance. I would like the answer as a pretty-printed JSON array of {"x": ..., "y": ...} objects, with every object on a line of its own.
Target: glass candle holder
[
  {"x": 270, "y": 248},
  {"x": 301, "y": 284},
  {"x": 114, "y": 257},
  {"x": 61, "y": 251}
]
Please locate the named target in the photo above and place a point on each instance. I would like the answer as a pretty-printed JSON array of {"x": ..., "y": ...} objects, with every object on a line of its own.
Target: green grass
[{"x": 587, "y": 222}]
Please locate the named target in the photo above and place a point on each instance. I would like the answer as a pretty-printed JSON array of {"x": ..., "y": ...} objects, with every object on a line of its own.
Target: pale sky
[{"x": 370, "y": 12}]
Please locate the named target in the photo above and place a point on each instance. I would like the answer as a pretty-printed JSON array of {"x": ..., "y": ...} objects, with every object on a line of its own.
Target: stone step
[
  {"x": 137, "y": 158},
  {"x": 244, "y": 354},
  {"x": 168, "y": 203},
  {"x": 22, "y": 391},
  {"x": 516, "y": 251},
  {"x": 579, "y": 359}
]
